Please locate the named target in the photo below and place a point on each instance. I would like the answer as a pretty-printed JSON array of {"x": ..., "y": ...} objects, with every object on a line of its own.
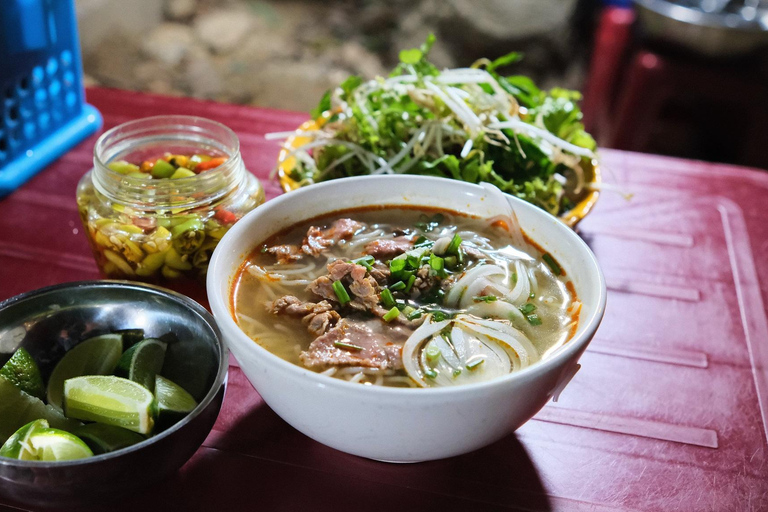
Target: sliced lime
[
  {"x": 130, "y": 336},
  {"x": 21, "y": 369},
  {"x": 94, "y": 356},
  {"x": 18, "y": 408},
  {"x": 17, "y": 446},
  {"x": 110, "y": 400},
  {"x": 142, "y": 362},
  {"x": 173, "y": 402},
  {"x": 51, "y": 445},
  {"x": 103, "y": 438}
]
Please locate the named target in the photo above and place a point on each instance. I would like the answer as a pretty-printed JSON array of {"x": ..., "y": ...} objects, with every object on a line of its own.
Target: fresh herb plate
[{"x": 583, "y": 202}]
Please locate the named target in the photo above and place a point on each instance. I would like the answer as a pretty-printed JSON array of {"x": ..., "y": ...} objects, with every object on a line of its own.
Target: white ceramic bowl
[{"x": 394, "y": 424}]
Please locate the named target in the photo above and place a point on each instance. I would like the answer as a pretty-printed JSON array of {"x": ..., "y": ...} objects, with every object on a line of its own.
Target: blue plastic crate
[{"x": 42, "y": 103}]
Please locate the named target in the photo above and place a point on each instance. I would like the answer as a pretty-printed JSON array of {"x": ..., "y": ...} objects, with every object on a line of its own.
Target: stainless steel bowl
[
  {"x": 50, "y": 321},
  {"x": 710, "y": 30}
]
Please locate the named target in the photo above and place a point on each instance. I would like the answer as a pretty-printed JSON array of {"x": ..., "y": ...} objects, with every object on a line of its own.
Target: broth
[{"x": 356, "y": 295}]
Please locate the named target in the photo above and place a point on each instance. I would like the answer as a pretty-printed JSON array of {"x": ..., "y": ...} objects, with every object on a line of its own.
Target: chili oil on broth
[{"x": 261, "y": 280}]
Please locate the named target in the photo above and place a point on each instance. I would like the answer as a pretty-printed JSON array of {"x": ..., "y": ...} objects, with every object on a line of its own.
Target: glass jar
[{"x": 163, "y": 230}]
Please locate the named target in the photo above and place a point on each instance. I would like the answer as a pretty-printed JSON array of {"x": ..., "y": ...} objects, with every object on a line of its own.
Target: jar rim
[{"x": 144, "y": 193}]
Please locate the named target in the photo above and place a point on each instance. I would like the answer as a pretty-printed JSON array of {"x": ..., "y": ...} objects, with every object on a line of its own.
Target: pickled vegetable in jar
[{"x": 162, "y": 193}]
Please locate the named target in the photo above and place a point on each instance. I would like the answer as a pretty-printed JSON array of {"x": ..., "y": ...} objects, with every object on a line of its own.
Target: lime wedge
[
  {"x": 17, "y": 446},
  {"x": 110, "y": 400},
  {"x": 18, "y": 408},
  {"x": 142, "y": 362},
  {"x": 51, "y": 445},
  {"x": 22, "y": 371},
  {"x": 94, "y": 356},
  {"x": 103, "y": 438},
  {"x": 173, "y": 402},
  {"x": 130, "y": 336}
]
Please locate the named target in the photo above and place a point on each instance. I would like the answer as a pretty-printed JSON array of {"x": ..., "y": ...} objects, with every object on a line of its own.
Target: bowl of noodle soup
[{"x": 405, "y": 318}]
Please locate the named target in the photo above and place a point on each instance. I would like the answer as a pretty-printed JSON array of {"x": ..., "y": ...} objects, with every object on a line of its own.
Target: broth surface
[{"x": 545, "y": 317}]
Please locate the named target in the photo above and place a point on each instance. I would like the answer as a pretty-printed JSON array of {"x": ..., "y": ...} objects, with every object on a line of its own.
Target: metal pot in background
[{"x": 713, "y": 28}]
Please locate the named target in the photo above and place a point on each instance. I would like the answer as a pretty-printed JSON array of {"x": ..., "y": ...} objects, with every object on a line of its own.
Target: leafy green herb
[
  {"x": 485, "y": 298},
  {"x": 527, "y": 308},
  {"x": 371, "y": 130}
]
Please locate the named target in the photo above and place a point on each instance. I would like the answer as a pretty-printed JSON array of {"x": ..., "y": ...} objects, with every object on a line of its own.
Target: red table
[{"x": 667, "y": 413}]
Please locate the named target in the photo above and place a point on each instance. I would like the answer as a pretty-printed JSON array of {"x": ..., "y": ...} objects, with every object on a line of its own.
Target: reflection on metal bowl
[{"x": 714, "y": 28}]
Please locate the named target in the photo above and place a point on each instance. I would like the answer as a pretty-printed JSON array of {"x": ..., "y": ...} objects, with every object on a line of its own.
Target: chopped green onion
[
  {"x": 350, "y": 346},
  {"x": 549, "y": 260},
  {"x": 533, "y": 319},
  {"x": 437, "y": 263},
  {"x": 387, "y": 300},
  {"x": 457, "y": 372},
  {"x": 474, "y": 364},
  {"x": 485, "y": 298},
  {"x": 514, "y": 277},
  {"x": 413, "y": 261},
  {"x": 366, "y": 261},
  {"x": 532, "y": 296},
  {"x": 409, "y": 284},
  {"x": 341, "y": 293},
  {"x": 438, "y": 316},
  {"x": 413, "y": 315},
  {"x": 453, "y": 247},
  {"x": 429, "y": 372},
  {"x": 397, "y": 286},
  {"x": 432, "y": 353},
  {"x": 408, "y": 311},
  {"x": 391, "y": 314},
  {"x": 400, "y": 304},
  {"x": 527, "y": 308},
  {"x": 460, "y": 257},
  {"x": 422, "y": 241},
  {"x": 396, "y": 265},
  {"x": 450, "y": 261}
]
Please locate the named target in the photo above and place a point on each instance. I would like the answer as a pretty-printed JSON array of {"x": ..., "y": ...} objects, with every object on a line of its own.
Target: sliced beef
[
  {"x": 363, "y": 288},
  {"x": 323, "y": 287},
  {"x": 318, "y": 317},
  {"x": 380, "y": 272},
  {"x": 473, "y": 253},
  {"x": 318, "y": 239},
  {"x": 286, "y": 253},
  {"x": 384, "y": 249},
  {"x": 290, "y": 305},
  {"x": 423, "y": 283},
  {"x": 371, "y": 344}
]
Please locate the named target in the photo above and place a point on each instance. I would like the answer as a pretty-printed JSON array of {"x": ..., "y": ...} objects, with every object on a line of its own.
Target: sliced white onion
[
  {"x": 504, "y": 333},
  {"x": 471, "y": 338},
  {"x": 457, "y": 291},
  {"x": 410, "y": 357}
]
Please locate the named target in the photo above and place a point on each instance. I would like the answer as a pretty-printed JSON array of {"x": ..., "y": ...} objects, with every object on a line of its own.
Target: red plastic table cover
[{"x": 668, "y": 411}]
